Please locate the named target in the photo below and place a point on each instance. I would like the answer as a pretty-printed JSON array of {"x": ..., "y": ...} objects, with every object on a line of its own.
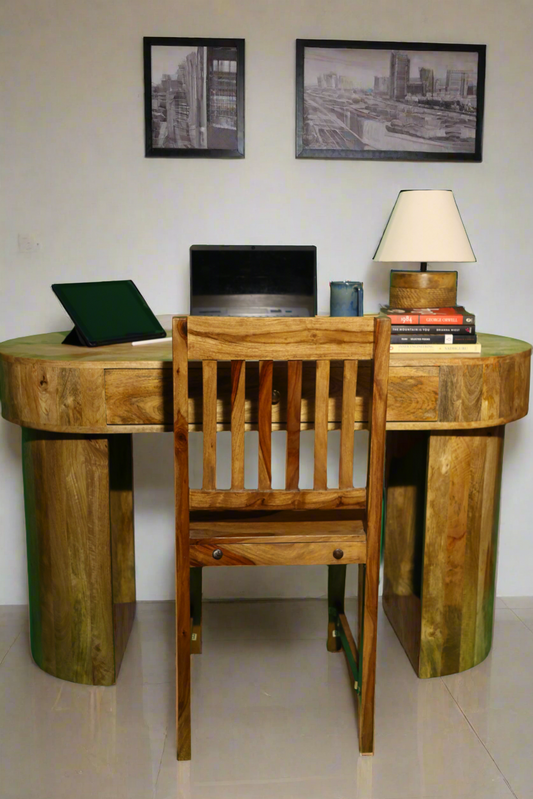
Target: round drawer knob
[
  {"x": 338, "y": 554},
  {"x": 217, "y": 554}
]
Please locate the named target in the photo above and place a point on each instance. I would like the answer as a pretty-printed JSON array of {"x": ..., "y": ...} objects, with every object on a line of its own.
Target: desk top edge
[{"x": 48, "y": 347}]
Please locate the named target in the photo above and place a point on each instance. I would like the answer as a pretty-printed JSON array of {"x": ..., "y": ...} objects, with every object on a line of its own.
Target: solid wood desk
[{"x": 78, "y": 408}]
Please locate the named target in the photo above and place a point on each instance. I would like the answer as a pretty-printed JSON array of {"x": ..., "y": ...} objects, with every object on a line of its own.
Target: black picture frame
[
  {"x": 212, "y": 66},
  {"x": 340, "y": 113}
]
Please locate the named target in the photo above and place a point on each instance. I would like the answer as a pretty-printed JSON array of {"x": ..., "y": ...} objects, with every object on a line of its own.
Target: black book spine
[
  {"x": 443, "y": 339},
  {"x": 433, "y": 330}
]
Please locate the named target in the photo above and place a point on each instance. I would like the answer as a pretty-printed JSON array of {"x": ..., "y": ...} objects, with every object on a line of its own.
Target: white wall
[{"x": 74, "y": 176}]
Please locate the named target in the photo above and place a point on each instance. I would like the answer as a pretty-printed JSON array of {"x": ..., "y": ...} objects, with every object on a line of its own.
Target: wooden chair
[{"x": 265, "y": 526}]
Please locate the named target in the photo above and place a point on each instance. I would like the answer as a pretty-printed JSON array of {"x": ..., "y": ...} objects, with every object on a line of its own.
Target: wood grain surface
[
  {"x": 125, "y": 389},
  {"x": 277, "y": 554},
  {"x": 320, "y": 480},
  {"x": 433, "y": 289},
  {"x": 404, "y": 536},
  {"x": 255, "y": 531},
  {"x": 182, "y": 576},
  {"x": 66, "y": 494},
  {"x": 143, "y": 397},
  {"x": 294, "y": 415},
  {"x": 374, "y": 487},
  {"x": 441, "y": 541},
  {"x": 461, "y": 532},
  {"x": 278, "y": 499},
  {"x": 324, "y": 338}
]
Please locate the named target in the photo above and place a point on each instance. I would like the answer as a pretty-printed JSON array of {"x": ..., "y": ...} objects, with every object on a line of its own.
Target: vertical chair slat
[
  {"x": 265, "y": 424},
  {"x": 181, "y": 494},
  {"x": 209, "y": 378},
  {"x": 294, "y": 410},
  {"x": 321, "y": 424},
  {"x": 238, "y": 371},
  {"x": 349, "y": 387}
]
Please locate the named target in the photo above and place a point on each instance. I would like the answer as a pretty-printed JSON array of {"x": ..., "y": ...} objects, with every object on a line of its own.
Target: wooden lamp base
[{"x": 422, "y": 289}]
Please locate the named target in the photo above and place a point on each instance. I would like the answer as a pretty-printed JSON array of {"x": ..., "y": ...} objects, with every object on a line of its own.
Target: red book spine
[{"x": 404, "y": 319}]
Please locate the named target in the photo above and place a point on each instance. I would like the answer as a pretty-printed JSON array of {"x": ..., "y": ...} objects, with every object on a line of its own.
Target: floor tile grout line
[
  {"x": 479, "y": 739},
  {"x": 519, "y": 619},
  {"x": 529, "y": 606},
  {"x": 160, "y": 762},
  {"x": 11, "y": 646}
]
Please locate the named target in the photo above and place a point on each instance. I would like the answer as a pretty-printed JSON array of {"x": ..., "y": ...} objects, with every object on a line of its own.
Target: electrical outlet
[{"x": 28, "y": 243}]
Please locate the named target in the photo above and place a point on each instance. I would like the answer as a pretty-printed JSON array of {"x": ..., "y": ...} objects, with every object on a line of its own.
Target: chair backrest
[{"x": 322, "y": 340}]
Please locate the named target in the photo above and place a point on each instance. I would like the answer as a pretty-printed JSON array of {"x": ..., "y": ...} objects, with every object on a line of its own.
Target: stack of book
[{"x": 432, "y": 330}]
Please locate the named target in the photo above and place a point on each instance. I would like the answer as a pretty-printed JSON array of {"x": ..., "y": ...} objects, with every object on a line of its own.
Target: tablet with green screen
[{"x": 107, "y": 312}]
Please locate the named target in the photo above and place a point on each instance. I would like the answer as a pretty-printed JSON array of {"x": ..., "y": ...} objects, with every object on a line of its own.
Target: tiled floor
[{"x": 273, "y": 716}]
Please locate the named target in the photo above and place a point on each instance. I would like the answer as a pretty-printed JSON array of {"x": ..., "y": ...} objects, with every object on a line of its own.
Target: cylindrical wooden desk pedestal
[
  {"x": 78, "y": 493},
  {"x": 440, "y": 545}
]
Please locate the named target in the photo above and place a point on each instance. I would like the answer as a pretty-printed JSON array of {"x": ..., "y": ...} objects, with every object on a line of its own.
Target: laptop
[{"x": 253, "y": 280}]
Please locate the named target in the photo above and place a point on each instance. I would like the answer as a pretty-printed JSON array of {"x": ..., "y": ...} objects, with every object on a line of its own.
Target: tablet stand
[{"x": 74, "y": 338}]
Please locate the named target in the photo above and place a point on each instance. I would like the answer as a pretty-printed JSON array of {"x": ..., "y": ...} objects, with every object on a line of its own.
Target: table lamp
[{"x": 425, "y": 225}]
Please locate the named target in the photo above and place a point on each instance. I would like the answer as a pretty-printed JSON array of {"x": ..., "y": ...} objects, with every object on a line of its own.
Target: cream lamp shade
[{"x": 425, "y": 225}]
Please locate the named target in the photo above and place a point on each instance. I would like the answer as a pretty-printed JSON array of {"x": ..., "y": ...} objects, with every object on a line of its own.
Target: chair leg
[
  {"x": 368, "y": 644},
  {"x": 336, "y": 589},
  {"x": 183, "y": 663},
  {"x": 196, "y": 610}
]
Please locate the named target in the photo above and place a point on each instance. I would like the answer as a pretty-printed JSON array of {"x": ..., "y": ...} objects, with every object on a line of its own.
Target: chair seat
[{"x": 256, "y": 542}]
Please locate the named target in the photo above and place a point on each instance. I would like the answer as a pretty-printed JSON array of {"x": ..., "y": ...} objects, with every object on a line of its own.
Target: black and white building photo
[
  {"x": 368, "y": 101},
  {"x": 194, "y": 98}
]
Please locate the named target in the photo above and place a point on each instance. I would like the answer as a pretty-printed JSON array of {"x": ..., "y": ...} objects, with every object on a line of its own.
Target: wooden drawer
[
  {"x": 144, "y": 396},
  {"x": 278, "y": 554}
]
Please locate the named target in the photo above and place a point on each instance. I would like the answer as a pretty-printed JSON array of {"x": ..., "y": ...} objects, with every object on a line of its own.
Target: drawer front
[
  {"x": 266, "y": 554},
  {"x": 144, "y": 396}
]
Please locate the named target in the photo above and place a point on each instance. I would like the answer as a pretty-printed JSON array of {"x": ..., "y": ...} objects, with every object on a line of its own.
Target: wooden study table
[{"x": 79, "y": 407}]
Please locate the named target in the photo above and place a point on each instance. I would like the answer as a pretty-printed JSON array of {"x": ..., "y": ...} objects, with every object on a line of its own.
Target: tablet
[{"x": 107, "y": 312}]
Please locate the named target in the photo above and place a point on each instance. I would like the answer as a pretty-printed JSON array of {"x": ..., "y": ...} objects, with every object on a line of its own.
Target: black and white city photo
[
  {"x": 194, "y": 97},
  {"x": 389, "y": 100}
]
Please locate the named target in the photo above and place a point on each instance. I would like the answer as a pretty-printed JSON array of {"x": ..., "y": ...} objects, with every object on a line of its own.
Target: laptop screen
[{"x": 253, "y": 281}]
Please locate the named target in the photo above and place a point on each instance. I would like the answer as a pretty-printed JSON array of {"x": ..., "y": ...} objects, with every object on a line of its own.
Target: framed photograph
[
  {"x": 194, "y": 98},
  {"x": 389, "y": 100}
]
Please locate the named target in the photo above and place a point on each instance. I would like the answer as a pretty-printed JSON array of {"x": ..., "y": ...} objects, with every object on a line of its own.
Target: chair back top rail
[{"x": 302, "y": 339}]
